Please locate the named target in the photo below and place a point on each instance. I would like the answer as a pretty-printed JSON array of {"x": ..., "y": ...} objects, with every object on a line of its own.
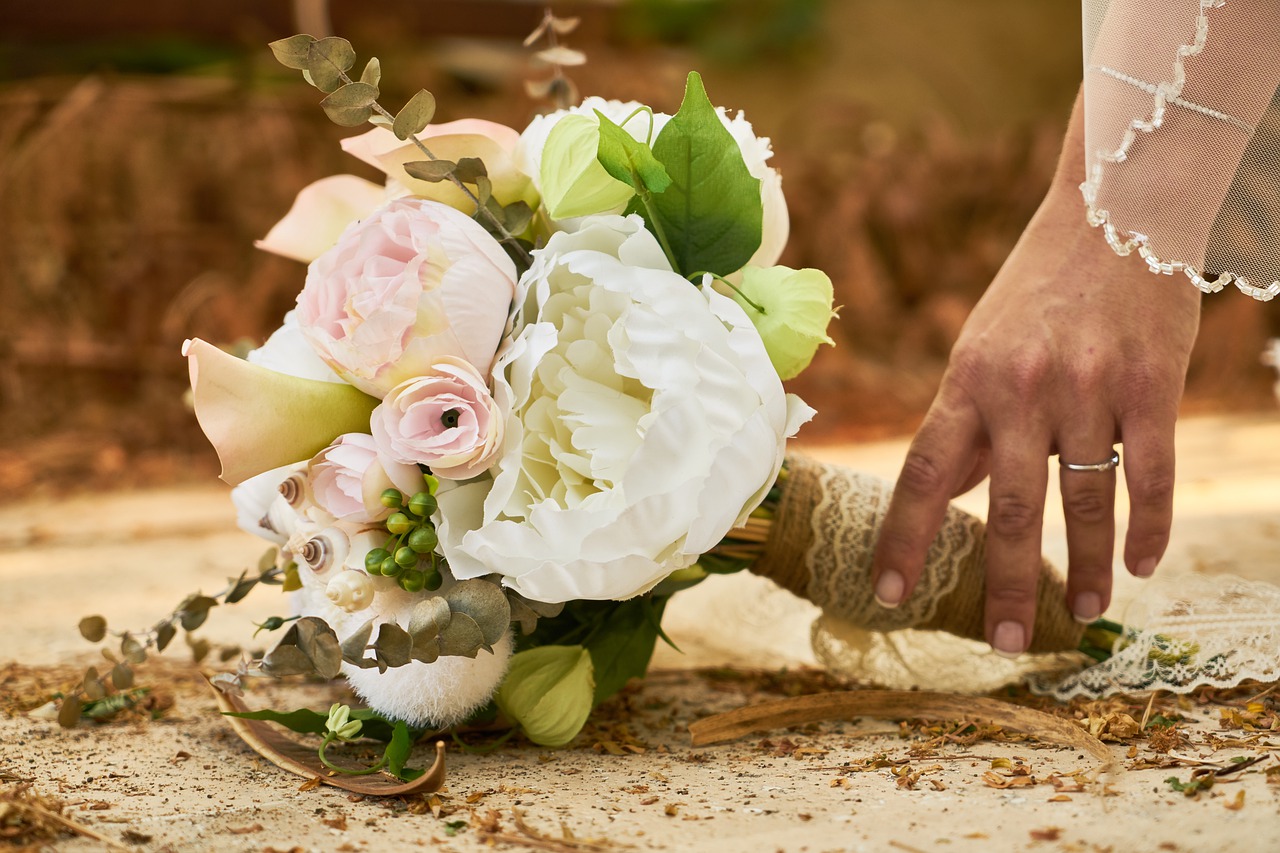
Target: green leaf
[
  {"x": 194, "y": 610},
  {"x": 711, "y": 214},
  {"x": 327, "y": 60},
  {"x": 628, "y": 160},
  {"x": 397, "y": 752},
  {"x": 430, "y": 170},
  {"x": 414, "y": 116},
  {"x": 623, "y": 644},
  {"x": 516, "y": 217},
  {"x": 372, "y": 73},
  {"x": 350, "y": 105},
  {"x": 93, "y": 628},
  {"x": 309, "y": 646},
  {"x": 393, "y": 646},
  {"x": 305, "y": 721},
  {"x": 242, "y": 587},
  {"x": 292, "y": 52}
]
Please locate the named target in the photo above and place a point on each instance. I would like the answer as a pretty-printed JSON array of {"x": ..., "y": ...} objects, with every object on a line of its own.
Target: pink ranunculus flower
[
  {"x": 445, "y": 419},
  {"x": 349, "y": 476},
  {"x": 414, "y": 282},
  {"x": 492, "y": 143}
]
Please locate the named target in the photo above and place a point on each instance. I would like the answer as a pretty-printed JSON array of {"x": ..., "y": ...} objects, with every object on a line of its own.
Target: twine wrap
[{"x": 821, "y": 543}]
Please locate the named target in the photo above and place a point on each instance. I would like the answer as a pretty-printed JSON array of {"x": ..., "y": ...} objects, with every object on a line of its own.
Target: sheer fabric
[{"x": 1182, "y": 137}]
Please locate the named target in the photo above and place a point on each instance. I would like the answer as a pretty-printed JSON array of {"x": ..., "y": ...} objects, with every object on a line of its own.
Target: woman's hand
[{"x": 1071, "y": 350}]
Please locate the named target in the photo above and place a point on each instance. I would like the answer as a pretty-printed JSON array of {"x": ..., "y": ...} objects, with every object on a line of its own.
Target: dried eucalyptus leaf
[
  {"x": 165, "y": 632},
  {"x": 351, "y": 105},
  {"x": 484, "y": 191},
  {"x": 69, "y": 712},
  {"x": 327, "y": 60},
  {"x": 353, "y": 647},
  {"x": 92, "y": 685},
  {"x": 517, "y": 216},
  {"x": 414, "y": 116},
  {"x": 93, "y": 628},
  {"x": 122, "y": 676},
  {"x": 425, "y": 649},
  {"x": 226, "y": 653},
  {"x": 429, "y": 617},
  {"x": 242, "y": 586},
  {"x": 199, "y": 649},
  {"x": 372, "y": 73},
  {"x": 292, "y": 52},
  {"x": 485, "y": 603},
  {"x": 194, "y": 610},
  {"x": 227, "y": 682},
  {"x": 538, "y": 89},
  {"x": 463, "y": 637},
  {"x": 430, "y": 170},
  {"x": 132, "y": 650},
  {"x": 561, "y": 55},
  {"x": 267, "y": 561},
  {"x": 309, "y": 646},
  {"x": 564, "y": 26},
  {"x": 393, "y": 647},
  {"x": 522, "y": 614},
  {"x": 469, "y": 169}
]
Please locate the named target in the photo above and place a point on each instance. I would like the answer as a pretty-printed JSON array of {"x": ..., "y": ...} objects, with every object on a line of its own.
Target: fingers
[
  {"x": 1015, "y": 518},
  {"x": 940, "y": 459},
  {"x": 1149, "y": 472},
  {"x": 1088, "y": 505}
]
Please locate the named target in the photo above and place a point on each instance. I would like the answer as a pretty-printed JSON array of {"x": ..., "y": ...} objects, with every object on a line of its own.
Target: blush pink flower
[
  {"x": 349, "y": 476},
  {"x": 414, "y": 282},
  {"x": 445, "y": 419}
]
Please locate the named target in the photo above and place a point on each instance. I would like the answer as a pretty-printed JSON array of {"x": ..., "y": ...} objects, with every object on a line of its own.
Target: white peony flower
[{"x": 645, "y": 422}]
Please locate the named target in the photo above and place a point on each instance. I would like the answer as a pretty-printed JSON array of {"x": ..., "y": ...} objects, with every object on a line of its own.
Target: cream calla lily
[
  {"x": 320, "y": 214},
  {"x": 259, "y": 419}
]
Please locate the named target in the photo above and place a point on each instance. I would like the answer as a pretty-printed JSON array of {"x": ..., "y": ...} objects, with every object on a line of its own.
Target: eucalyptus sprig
[
  {"x": 557, "y": 88},
  {"x": 324, "y": 64},
  {"x": 188, "y": 616}
]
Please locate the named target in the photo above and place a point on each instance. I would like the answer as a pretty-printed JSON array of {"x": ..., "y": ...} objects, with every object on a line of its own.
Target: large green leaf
[
  {"x": 711, "y": 214},
  {"x": 628, "y": 160},
  {"x": 623, "y": 644}
]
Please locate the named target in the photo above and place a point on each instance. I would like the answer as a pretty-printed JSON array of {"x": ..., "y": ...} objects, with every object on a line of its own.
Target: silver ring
[{"x": 1096, "y": 466}]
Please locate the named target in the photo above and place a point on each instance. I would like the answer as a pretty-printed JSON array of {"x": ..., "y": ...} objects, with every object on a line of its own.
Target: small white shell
[{"x": 350, "y": 591}]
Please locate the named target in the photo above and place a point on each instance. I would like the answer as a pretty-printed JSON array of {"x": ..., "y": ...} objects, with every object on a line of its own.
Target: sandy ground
[{"x": 183, "y": 782}]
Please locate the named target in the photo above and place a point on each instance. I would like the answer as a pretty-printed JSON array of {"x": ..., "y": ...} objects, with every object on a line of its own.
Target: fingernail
[
  {"x": 1146, "y": 568},
  {"x": 889, "y": 589},
  {"x": 1010, "y": 639},
  {"x": 1088, "y": 607}
]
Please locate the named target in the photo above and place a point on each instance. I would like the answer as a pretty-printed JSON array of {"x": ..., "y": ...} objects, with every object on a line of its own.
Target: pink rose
[
  {"x": 349, "y": 476},
  {"x": 414, "y": 282},
  {"x": 445, "y": 419},
  {"x": 494, "y": 144}
]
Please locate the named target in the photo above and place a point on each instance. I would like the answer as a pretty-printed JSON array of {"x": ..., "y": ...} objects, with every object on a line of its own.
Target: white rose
[{"x": 645, "y": 422}]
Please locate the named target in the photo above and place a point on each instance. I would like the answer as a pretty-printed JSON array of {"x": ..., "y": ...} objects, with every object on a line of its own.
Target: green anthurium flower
[
  {"x": 259, "y": 419},
  {"x": 796, "y": 310},
  {"x": 549, "y": 691},
  {"x": 573, "y": 181}
]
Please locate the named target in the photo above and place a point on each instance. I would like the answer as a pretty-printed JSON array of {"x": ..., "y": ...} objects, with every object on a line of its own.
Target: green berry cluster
[{"x": 409, "y": 555}]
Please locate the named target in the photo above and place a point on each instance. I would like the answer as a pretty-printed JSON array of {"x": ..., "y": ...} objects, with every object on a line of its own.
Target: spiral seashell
[
  {"x": 324, "y": 550},
  {"x": 295, "y": 490},
  {"x": 350, "y": 591},
  {"x": 281, "y": 518}
]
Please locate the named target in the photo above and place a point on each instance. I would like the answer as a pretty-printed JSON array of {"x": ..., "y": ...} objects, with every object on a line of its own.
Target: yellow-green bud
[
  {"x": 399, "y": 523},
  {"x": 424, "y": 540},
  {"x": 573, "y": 181},
  {"x": 413, "y": 581},
  {"x": 406, "y": 556},
  {"x": 549, "y": 691},
  {"x": 797, "y": 309},
  {"x": 391, "y": 498},
  {"x": 390, "y": 568},
  {"x": 422, "y": 504},
  {"x": 374, "y": 559},
  {"x": 433, "y": 580}
]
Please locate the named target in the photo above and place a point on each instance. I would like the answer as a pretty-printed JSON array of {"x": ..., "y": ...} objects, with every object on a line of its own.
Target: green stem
[
  {"x": 646, "y": 198},
  {"x": 330, "y": 738},
  {"x": 731, "y": 286},
  {"x": 648, "y": 139}
]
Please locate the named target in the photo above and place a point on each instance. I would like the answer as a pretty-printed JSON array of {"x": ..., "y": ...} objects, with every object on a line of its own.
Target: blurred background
[{"x": 144, "y": 145}]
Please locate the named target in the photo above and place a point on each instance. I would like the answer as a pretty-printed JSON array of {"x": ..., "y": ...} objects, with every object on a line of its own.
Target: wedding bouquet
[{"x": 530, "y": 380}]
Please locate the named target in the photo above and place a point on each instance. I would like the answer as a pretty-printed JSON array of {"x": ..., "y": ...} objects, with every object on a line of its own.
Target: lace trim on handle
[
  {"x": 1214, "y": 630},
  {"x": 1164, "y": 94}
]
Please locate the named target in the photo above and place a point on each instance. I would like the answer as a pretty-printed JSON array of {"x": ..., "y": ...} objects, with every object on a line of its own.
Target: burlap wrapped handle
[{"x": 824, "y": 534}]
